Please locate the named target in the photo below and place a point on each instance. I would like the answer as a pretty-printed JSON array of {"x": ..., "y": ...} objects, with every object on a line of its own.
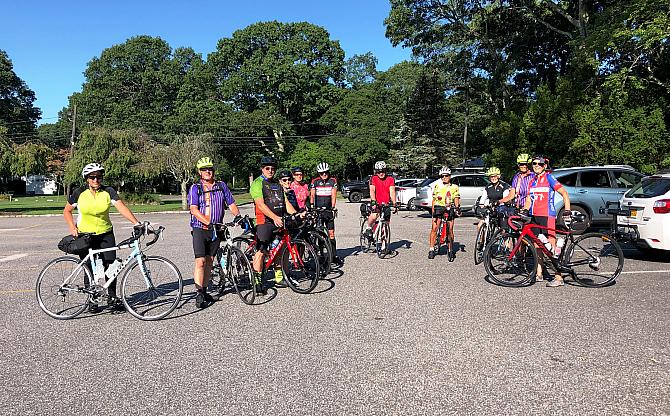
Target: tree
[
  {"x": 360, "y": 70},
  {"x": 17, "y": 112},
  {"x": 30, "y": 159}
]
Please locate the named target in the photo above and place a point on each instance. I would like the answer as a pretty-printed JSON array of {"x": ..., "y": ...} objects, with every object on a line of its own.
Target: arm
[
  {"x": 289, "y": 207},
  {"x": 566, "y": 198},
  {"x": 199, "y": 215},
  {"x": 333, "y": 196},
  {"x": 69, "y": 219},
  {"x": 392, "y": 195},
  {"x": 312, "y": 195},
  {"x": 510, "y": 196},
  {"x": 234, "y": 209},
  {"x": 373, "y": 194},
  {"x": 125, "y": 211},
  {"x": 484, "y": 198}
]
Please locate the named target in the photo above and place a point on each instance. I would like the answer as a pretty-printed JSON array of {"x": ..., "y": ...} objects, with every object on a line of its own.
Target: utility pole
[
  {"x": 74, "y": 127},
  {"x": 467, "y": 114}
]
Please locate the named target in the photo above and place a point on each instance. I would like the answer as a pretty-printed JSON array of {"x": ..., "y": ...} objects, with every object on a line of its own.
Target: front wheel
[
  {"x": 480, "y": 243},
  {"x": 384, "y": 240},
  {"x": 324, "y": 250},
  {"x": 506, "y": 269},
  {"x": 300, "y": 266},
  {"x": 596, "y": 259},
  {"x": 238, "y": 270},
  {"x": 151, "y": 288},
  {"x": 365, "y": 242},
  {"x": 60, "y": 288}
]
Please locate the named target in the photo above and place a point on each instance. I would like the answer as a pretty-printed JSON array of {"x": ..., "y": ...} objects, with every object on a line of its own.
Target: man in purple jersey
[
  {"x": 522, "y": 179},
  {"x": 207, "y": 200}
]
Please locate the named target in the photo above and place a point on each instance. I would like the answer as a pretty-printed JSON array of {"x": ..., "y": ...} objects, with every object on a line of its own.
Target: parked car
[
  {"x": 591, "y": 187},
  {"x": 405, "y": 190},
  {"x": 355, "y": 191},
  {"x": 471, "y": 186},
  {"x": 649, "y": 205}
]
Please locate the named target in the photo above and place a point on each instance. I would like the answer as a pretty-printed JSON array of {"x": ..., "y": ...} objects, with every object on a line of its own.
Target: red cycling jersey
[{"x": 383, "y": 188}]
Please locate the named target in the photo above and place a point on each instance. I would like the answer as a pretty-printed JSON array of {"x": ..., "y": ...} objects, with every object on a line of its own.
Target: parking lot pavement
[{"x": 402, "y": 335}]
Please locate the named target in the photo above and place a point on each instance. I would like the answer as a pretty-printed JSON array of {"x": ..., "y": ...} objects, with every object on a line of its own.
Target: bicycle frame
[
  {"x": 443, "y": 225},
  {"x": 272, "y": 255}
]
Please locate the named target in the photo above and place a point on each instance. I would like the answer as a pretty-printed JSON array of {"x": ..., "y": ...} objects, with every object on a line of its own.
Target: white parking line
[
  {"x": 646, "y": 271},
  {"x": 13, "y": 257}
]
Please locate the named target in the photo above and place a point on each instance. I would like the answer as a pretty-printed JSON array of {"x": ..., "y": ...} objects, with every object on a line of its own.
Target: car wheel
[
  {"x": 577, "y": 227},
  {"x": 410, "y": 205},
  {"x": 355, "y": 197}
]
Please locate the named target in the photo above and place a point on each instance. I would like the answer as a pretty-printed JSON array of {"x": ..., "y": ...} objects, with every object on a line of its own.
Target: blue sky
[{"x": 50, "y": 42}]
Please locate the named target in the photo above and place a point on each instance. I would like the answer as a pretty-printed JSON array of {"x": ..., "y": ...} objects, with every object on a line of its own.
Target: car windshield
[
  {"x": 650, "y": 188},
  {"x": 427, "y": 182}
]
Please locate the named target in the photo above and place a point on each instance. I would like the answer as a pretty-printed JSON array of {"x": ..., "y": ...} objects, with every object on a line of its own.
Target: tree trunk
[{"x": 184, "y": 190}]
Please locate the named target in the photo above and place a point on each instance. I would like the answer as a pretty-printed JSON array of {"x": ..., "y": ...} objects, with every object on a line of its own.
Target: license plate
[{"x": 633, "y": 213}]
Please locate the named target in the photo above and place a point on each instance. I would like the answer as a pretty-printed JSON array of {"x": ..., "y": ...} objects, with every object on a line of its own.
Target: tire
[
  {"x": 238, "y": 270},
  {"x": 518, "y": 271},
  {"x": 246, "y": 245},
  {"x": 218, "y": 276},
  {"x": 384, "y": 240},
  {"x": 300, "y": 266},
  {"x": 364, "y": 241},
  {"x": 596, "y": 259},
  {"x": 355, "y": 197},
  {"x": 577, "y": 228},
  {"x": 410, "y": 205},
  {"x": 157, "y": 301},
  {"x": 480, "y": 243},
  {"x": 324, "y": 250},
  {"x": 55, "y": 299},
  {"x": 438, "y": 239}
]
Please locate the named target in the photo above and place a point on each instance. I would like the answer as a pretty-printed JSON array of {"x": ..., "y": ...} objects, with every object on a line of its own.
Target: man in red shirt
[{"x": 382, "y": 192}]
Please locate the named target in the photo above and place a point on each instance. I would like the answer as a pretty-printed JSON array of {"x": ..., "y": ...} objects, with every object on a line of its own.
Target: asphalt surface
[{"x": 403, "y": 335}]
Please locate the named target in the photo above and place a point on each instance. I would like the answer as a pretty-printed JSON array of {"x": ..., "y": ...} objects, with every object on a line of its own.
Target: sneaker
[
  {"x": 209, "y": 298},
  {"x": 261, "y": 290},
  {"x": 555, "y": 283},
  {"x": 281, "y": 283},
  {"x": 431, "y": 254},
  {"x": 200, "y": 300},
  {"x": 116, "y": 304}
]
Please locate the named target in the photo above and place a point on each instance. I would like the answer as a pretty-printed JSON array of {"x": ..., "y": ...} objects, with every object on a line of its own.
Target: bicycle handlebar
[{"x": 156, "y": 234}]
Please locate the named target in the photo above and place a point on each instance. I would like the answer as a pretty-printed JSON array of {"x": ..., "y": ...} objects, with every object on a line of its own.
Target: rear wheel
[
  {"x": 411, "y": 206},
  {"x": 300, "y": 266},
  {"x": 324, "y": 250},
  {"x": 151, "y": 290},
  {"x": 507, "y": 270},
  {"x": 58, "y": 299},
  {"x": 596, "y": 259}
]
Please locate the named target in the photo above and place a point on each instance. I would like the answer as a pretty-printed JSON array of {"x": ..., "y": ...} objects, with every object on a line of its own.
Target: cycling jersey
[
  {"x": 323, "y": 191},
  {"x": 383, "y": 189},
  {"x": 292, "y": 199},
  {"x": 542, "y": 189},
  {"x": 444, "y": 194},
  {"x": 301, "y": 193},
  {"x": 520, "y": 183},
  {"x": 494, "y": 193},
  {"x": 273, "y": 196},
  {"x": 93, "y": 208},
  {"x": 210, "y": 200}
]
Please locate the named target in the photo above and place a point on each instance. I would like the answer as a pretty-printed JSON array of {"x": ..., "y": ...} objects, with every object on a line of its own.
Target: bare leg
[{"x": 199, "y": 273}]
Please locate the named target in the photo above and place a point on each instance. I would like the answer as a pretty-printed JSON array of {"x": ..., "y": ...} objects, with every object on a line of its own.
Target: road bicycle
[
  {"x": 294, "y": 258},
  {"x": 511, "y": 258},
  {"x": 485, "y": 232},
  {"x": 151, "y": 286},
  {"x": 443, "y": 237},
  {"x": 381, "y": 230},
  {"x": 315, "y": 232},
  {"x": 231, "y": 266}
]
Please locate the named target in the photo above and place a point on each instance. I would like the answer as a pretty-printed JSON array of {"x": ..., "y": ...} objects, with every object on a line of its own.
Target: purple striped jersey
[
  {"x": 218, "y": 197},
  {"x": 521, "y": 184}
]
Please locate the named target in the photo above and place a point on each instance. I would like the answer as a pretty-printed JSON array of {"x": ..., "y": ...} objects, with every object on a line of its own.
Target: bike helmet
[
  {"x": 90, "y": 168},
  {"x": 493, "y": 171},
  {"x": 284, "y": 174},
  {"x": 523, "y": 158},
  {"x": 445, "y": 171},
  {"x": 380, "y": 165},
  {"x": 322, "y": 167},
  {"x": 540, "y": 157},
  {"x": 297, "y": 169},
  {"x": 205, "y": 162},
  {"x": 268, "y": 161}
]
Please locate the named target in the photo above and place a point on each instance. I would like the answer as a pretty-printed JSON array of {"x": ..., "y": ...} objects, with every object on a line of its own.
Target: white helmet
[
  {"x": 380, "y": 165},
  {"x": 445, "y": 171},
  {"x": 322, "y": 167},
  {"x": 90, "y": 168}
]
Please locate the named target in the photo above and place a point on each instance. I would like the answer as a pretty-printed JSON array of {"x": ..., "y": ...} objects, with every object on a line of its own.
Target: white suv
[
  {"x": 470, "y": 187},
  {"x": 649, "y": 205}
]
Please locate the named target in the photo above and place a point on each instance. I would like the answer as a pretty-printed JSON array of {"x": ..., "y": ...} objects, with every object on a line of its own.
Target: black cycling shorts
[
  {"x": 203, "y": 244},
  {"x": 546, "y": 222},
  {"x": 438, "y": 212},
  {"x": 99, "y": 241},
  {"x": 265, "y": 235},
  {"x": 328, "y": 219}
]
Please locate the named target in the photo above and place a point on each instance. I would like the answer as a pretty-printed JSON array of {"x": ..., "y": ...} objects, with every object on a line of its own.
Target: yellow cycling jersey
[
  {"x": 93, "y": 208},
  {"x": 444, "y": 194}
]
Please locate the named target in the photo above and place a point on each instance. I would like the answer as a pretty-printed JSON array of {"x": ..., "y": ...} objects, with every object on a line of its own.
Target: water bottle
[
  {"x": 275, "y": 243},
  {"x": 223, "y": 263},
  {"x": 99, "y": 272},
  {"x": 113, "y": 268},
  {"x": 560, "y": 242},
  {"x": 543, "y": 238}
]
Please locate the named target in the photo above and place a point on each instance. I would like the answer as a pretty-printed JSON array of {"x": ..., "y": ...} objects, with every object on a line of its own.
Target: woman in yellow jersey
[
  {"x": 445, "y": 196},
  {"x": 93, "y": 201}
]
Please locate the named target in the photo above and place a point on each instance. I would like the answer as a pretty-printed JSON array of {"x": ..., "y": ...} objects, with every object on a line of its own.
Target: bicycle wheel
[
  {"x": 152, "y": 290},
  {"x": 450, "y": 250},
  {"x": 324, "y": 251},
  {"x": 438, "y": 238},
  {"x": 240, "y": 273},
  {"x": 505, "y": 271},
  {"x": 60, "y": 299},
  {"x": 364, "y": 240},
  {"x": 218, "y": 275},
  {"x": 480, "y": 243},
  {"x": 300, "y": 266},
  {"x": 384, "y": 240},
  {"x": 596, "y": 259},
  {"x": 246, "y": 245}
]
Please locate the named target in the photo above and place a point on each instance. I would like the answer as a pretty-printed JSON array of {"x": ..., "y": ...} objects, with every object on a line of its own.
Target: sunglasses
[
  {"x": 206, "y": 169},
  {"x": 539, "y": 164},
  {"x": 95, "y": 177},
  {"x": 323, "y": 173},
  {"x": 523, "y": 164},
  {"x": 297, "y": 174},
  {"x": 285, "y": 180},
  {"x": 446, "y": 176},
  {"x": 269, "y": 168}
]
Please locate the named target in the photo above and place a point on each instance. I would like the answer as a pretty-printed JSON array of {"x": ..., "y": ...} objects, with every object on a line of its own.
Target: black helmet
[
  {"x": 297, "y": 169},
  {"x": 284, "y": 174},
  {"x": 268, "y": 161}
]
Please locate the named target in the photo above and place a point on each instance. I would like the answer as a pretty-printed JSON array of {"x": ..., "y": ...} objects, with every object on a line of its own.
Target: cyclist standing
[
  {"x": 300, "y": 187},
  {"x": 382, "y": 192},
  {"x": 285, "y": 180},
  {"x": 445, "y": 196},
  {"x": 93, "y": 201},
  {"x": 323, "y": 194},
  {"x": 521, "y": 180},
  {"x": 540, "y": 204},
  {"x": 207, "y": 200},
  {"x": 496, "y": 193},
  {"x": 271, "y": 205}
]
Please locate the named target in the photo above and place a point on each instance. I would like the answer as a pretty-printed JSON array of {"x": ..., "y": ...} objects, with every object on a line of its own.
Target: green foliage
[
  {"x": 360, "y": 70},
  {"x": 30, "y": 158},
  {"x": 308, "y": 154},
  {"x": 17, "y": 112},
  {"x": 138, "y": 198}
]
